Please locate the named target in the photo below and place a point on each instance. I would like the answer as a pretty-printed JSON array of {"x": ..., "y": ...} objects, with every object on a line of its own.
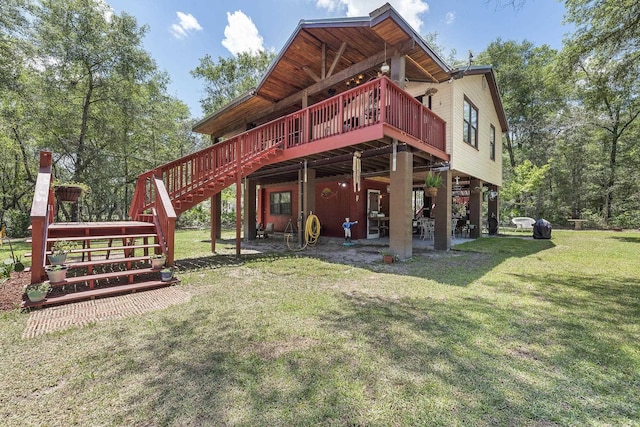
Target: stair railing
[
  {"x": 373, "y": 103},
  {"x": 42, "y": 214},
  {"x": 165, "y": 219}
]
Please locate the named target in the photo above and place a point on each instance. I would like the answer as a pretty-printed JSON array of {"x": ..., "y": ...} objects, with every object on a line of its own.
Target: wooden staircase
[
  {"x": 114, "y": 257},
  {"x": 111, "y": 258}
]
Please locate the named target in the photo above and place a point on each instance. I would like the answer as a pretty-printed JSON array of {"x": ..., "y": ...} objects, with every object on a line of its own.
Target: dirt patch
[{"x": 11, "y": 290}]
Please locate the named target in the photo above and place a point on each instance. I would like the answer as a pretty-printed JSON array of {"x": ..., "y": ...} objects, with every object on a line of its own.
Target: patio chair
[{"x": 426, "y": 226}]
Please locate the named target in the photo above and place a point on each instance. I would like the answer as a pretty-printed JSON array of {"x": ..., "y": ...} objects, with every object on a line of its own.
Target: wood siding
[
  {"x": 447, "y": 103},
  {"x": 333, "y": 204}
]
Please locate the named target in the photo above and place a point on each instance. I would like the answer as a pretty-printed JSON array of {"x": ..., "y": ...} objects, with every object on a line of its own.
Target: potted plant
[
  {"x": 166, "y": 274},
  {"x": 388, "y": 257},
  {"x": 37, "y": 292},
  {"x": 59, "y": 251},
  {"x": 56, "y": 273},
  {"x": 157, "y": 261},
  {"x": 70, "y": 191},
  {"x": 431, "y": 183}
]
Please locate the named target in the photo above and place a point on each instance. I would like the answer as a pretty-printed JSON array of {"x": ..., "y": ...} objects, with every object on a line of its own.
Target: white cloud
[
  {"x": 241, "y": 34},
  {"x": 186, "y": 23},
  {"x": 450, "y": 17},
  {"x": 410, "y": 10}
]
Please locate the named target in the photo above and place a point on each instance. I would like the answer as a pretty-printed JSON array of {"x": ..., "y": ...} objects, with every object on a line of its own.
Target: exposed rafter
[
  {"x": 428, "y": 74},
  {"x": 343, "y": 46},
  {"x": 311, "y": 74}
]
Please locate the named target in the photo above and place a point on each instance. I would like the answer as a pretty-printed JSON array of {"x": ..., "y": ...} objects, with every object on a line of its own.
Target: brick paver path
[{"x": 83, "y": 313}]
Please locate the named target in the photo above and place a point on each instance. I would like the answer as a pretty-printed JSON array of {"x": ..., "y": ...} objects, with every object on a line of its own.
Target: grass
[
  {"x": 20, "y": 247},
  {"x": 502, "y": 331}
]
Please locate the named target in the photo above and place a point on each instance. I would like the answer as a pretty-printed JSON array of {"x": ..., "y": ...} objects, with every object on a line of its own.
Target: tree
[
  {"x": 229, "y": 78},
  {"x": 610, "y": 93},
  {"x": 608, "y": 26},
  {"x": 521, "y": 192},
  {"x": 603, "y": 57},
  {"x": 532, "y": 97}
]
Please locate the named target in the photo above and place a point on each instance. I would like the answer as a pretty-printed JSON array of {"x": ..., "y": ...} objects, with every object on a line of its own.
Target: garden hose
[{"x": 311, "y": 233}]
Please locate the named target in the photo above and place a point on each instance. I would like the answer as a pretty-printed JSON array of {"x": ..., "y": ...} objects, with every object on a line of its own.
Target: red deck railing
[
  {"x": 373, "y": 103},
  {"x": 42, "y": 214}
]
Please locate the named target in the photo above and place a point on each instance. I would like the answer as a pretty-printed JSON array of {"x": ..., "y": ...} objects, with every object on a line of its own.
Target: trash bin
[
  {"x": 493, "y": 226},
  {"x": 542, "y": 229}
]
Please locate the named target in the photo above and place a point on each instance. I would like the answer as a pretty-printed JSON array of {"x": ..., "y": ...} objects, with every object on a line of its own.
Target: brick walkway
[{"x": 83, "y": 313}]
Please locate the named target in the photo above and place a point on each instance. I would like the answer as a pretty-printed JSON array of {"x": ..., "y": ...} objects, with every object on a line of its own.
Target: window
[
  {"x": 280, "y": 203},
  {"x": 492, "y": 143},
  {"x": 470, "y": 131}
]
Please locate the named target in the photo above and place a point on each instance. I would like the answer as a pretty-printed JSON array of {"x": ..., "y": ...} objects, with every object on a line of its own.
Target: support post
[
  {"x": 494, "y": 205},
  {"x": 475, "y": 208},
  {"x": 309, "y": 195},
  {"x": 442, "y": 234},
  {"x": 250, "y": 209},
  {"x": 216, "y": 221},
  {"x": 400, "y": 208}
]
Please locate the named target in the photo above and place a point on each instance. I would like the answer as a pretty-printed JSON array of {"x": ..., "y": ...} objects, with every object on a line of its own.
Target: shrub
[{"x": 17, "y": 223}]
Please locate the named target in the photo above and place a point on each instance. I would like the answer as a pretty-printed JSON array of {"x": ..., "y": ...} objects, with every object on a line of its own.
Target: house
[
  {"x": 355, "y": 112},
  {"x": 347, "y": 122}
]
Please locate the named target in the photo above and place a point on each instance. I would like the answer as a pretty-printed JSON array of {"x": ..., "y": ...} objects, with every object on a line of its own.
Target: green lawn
[{"x": 501, "y": 331}]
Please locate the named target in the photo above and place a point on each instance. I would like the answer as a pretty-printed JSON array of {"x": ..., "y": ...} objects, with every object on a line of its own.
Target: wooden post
[
  {"x": 442, "y": 235},
  {"x": 40, "y": 216},
  {"x": 400, "y": 210},
  {"x": 475, "y": 208}
]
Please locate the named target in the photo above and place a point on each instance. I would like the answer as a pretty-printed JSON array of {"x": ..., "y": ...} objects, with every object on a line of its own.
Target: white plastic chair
[{"x": 426, "y": 228}]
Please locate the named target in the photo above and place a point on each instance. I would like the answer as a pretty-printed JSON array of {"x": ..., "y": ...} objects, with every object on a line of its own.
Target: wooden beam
[
  {"x": 343, "y": 46},
  {"x": 324, "y": 60},
  {"x": 428, "y": 74},
  {"x": 311, "y": 74}
]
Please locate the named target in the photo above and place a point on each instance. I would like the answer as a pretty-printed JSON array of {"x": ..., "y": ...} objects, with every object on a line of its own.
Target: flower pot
[
  {"x": 166, "y": 276},
  {"x": 57, "y": 259},
  {"x": 157, "y": 263},
  {"x": 431, "y": 191},
  {"x": 57, "y": 275},
  {"x": 37, "y": 293},
  {"x": 388, "y": 259},
  {"x": 66, "y": 193}
]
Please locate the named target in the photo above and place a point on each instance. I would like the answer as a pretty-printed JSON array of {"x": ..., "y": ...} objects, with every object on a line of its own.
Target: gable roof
[{"x": 321, "y": 55}]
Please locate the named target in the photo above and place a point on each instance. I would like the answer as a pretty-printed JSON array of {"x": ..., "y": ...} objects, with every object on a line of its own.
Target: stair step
[
  {"x": 103, "y": 276},
  {"x": 80, "y": 264},
  {"x": 107, "y": 237},
  {"x": 99, "y": 293},
  {"x": 111, "y": 248}
]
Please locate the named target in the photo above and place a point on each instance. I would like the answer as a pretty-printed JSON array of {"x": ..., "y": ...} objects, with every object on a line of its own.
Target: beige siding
[
  {"x": 465, "y": 158},
  {"x": 447, "y": 103}
]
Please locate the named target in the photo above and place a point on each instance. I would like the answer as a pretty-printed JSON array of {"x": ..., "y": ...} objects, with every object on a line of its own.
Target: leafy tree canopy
[{"x": 228, "y": 78}]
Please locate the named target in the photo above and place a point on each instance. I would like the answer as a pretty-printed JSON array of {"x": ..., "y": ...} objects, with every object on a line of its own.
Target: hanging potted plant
[
  {"x": 431, "y": 184},
  {"x": 56, "y": 273},
  {"x": 157, "y": 261},
  {"x": 59, "y": 251},
  {"x": 70, "y": 191},
  {"x": 37, "y": 292}
]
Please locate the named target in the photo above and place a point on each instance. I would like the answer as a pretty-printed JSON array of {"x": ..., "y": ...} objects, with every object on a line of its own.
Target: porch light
[{"x": 384, "y": 69}]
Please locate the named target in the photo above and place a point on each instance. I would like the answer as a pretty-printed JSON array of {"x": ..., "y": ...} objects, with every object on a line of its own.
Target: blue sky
[{"x": 182, "y": 32}]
